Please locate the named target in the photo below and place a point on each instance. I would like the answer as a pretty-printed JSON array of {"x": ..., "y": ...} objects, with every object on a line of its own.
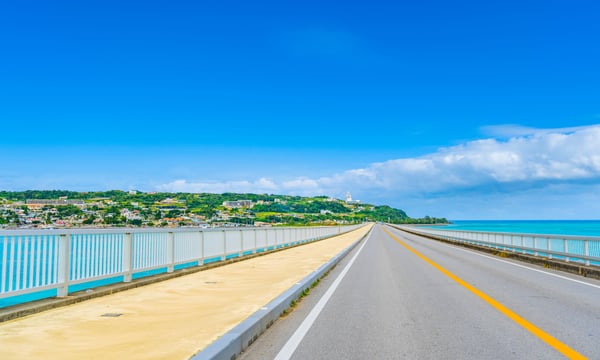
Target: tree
[
  {"x": 68, "y": 210},
  {"x": 135, "y": 222}
]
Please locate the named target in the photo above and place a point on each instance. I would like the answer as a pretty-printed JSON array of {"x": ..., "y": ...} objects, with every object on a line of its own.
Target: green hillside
[{"x": 35, "y": 208}]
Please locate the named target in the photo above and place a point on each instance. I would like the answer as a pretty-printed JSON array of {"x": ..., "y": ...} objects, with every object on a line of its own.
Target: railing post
[
  {"x": 127, "y": 257},
  {"x": 280, "y": 238},
  {"x": 566, "y": 249},
  {"x": 586, "y": 252},
  {"x": 170, "y": 252},
  {"x": 64, "y": 250},
  {"x": 267, "y": 236},
  {"x": 522, "y": 244},
  {"x": 5, "y": 266},
  {"x": 241, "y": 243},
  {"x": 535, "y": 246},
  {"x": 224, "y": 246},
  {"x": 201, "y": 259},
  {"x": 549, "y": 248},
  {"x": 255, "y": 243}
]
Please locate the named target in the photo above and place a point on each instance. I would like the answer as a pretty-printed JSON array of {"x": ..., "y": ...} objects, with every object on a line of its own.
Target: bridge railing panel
[
  {"x": 214, "y": 244},
  {"x": 66, "y": 261},
  {"x": 187, "y": 247},
  {"x": 261, "y": 239},
  {"x": 233, "y": 243},
  {"x": 582, "y": 249}
]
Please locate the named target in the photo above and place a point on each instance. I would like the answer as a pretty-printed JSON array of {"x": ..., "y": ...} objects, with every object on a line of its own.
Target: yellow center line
[{"x": 544, "y": 336}]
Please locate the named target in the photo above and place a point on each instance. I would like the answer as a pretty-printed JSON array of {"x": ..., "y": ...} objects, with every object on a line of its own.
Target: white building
[{"x": 349, "y": 199}]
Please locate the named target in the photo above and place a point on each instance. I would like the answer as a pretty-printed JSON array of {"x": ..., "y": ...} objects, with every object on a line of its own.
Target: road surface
[{"x": 401, "y": 296}]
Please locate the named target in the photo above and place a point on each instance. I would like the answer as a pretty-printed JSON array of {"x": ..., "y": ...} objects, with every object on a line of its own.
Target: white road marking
[
  {"x": 520, "y": 266},
  {"x": 290, "y": 346}
]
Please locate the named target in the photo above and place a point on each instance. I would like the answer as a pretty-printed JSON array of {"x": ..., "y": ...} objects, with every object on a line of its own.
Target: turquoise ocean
[{"x": 555, "y": 227}]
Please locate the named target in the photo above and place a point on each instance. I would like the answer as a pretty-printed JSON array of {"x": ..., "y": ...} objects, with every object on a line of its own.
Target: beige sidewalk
[{"x": 167, "y": 320}]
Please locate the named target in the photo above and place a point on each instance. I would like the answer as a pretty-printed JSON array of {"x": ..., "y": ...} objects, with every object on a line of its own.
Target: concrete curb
[
  {"x": 238, "y": 339},
  {"x": 570, "y": 267}
]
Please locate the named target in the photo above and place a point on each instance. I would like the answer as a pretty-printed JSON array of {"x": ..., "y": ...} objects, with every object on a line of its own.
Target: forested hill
[{"x": 135, "y": 208}]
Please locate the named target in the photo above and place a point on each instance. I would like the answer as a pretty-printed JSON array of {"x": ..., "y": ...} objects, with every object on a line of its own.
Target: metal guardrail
[
  {"x": 582, "y": 249},
  {"x": 38, "y": 260}
]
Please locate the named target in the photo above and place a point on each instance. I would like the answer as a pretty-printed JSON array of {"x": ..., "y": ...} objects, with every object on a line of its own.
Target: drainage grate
[{"x": 111, "y": 314}]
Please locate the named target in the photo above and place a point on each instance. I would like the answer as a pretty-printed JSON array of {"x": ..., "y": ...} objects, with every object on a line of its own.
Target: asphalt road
[{"x": 401, "y": 296}]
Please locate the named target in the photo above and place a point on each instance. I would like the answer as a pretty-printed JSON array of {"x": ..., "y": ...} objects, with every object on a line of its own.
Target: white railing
[
  {"x": 582, "y": 249},
  {"x": 38, "y": 260}
]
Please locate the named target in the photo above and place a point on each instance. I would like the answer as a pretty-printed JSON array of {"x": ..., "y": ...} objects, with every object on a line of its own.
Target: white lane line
[
  {"x": 532, "y": 269},
  {"x": 521, "y": 266},
  {"x": 290, "y": 346}
]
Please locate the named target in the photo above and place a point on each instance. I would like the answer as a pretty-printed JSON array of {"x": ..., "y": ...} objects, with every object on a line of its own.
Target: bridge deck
[{"x": 172, "y": 319}]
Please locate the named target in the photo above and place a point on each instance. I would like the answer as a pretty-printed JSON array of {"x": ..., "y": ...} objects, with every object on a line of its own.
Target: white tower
[{"x": 348, "y": 197}]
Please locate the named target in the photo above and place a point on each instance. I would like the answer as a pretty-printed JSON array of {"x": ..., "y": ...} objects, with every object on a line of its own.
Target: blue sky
[{"x": 462, "y": 109}]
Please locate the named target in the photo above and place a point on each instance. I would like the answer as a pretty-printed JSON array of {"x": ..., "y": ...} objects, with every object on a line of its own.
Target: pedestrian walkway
[{"x": 173, "y": 319}]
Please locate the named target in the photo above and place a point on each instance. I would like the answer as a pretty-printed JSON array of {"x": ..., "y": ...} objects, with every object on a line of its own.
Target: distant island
[{"x": 115, "y": 208}]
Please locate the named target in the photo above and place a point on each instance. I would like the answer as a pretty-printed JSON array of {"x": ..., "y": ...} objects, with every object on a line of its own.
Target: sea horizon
[{"x": 584, "y": 227}]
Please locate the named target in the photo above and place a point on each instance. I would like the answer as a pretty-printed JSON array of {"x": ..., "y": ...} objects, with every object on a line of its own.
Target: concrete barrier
[{"x": 235, "y": 341}]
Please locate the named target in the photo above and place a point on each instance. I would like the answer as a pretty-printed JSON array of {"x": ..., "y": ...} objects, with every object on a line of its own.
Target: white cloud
[
  {"x": 542, "y": 157},
  {"x": 512, "y": 130},
  {"x": 302, "y": 186},
  {"x": 262, "y": 185},
  {"x": 559, "y": 155}
]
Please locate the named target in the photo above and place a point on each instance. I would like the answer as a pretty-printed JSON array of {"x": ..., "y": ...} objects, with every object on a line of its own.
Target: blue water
[{"x": 555, "y": 227}]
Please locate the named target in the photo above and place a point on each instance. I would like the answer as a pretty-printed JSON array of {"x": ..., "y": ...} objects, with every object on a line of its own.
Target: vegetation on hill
[{"x": 133, "y": 208}]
